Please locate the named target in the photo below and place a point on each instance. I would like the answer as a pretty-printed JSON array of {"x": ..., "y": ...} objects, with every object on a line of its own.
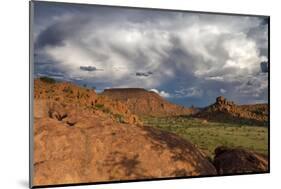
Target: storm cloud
[
  {"x": 191, "y": 57},
  {"x": 90, "y": 68},
  {"x": 143, "y": 74}
]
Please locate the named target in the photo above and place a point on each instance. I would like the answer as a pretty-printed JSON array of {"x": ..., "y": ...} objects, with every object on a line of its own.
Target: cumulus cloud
[
  {"x": 223, "y": 91},
  {"x": 161, "y": 93},
  {"x": 189, "y": 92},
  {"x": 190, "y": 50}
]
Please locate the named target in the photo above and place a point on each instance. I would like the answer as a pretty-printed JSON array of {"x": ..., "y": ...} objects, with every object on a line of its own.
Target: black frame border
[{"x": 31, "y": 17}]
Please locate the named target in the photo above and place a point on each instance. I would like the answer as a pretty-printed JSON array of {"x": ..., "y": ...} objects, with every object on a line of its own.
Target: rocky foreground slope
[
  {"x": 80, "y": 136},
  {"x": 227, "y": 111},
  {"x": 146, "y": 103}
]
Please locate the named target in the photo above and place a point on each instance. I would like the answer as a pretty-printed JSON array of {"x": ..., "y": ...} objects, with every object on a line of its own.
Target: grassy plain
[{"x": 209, "y": 135}]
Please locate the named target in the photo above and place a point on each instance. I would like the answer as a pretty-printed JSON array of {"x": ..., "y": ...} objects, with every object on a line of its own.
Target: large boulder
[
  {"x": 100, "y": 149},
  {"x": 238, "y": 160}
]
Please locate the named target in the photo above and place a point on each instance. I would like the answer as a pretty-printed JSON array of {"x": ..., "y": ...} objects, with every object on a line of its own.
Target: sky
[{"x": 187, "y": 58}]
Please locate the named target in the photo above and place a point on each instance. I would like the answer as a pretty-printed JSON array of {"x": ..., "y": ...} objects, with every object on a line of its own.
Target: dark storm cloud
[
  {"x": 186, "y": 57},
  {"x": 90, "y": 68},
  {"x": 52, "y": 36},
  {"x": 143, "y": 74}
]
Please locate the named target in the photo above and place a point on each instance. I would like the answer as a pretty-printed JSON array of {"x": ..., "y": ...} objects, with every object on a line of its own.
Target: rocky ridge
[{"x": 227, "y": 111}]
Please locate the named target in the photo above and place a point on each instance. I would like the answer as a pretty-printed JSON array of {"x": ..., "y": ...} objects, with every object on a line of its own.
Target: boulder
[
  {"x": 238, "y": 160},
  {"x": 99, "y": 149}
]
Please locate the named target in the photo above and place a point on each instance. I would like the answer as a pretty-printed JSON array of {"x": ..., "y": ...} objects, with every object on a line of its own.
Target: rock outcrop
[
  {"x": 227, "y": 111},
  {"x": 146, "y": 103},
  {"x": 64, "y": 96},
  {"x": 237, "y": 160}
]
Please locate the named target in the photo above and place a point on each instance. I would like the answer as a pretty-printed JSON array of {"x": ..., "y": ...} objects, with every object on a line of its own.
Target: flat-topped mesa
[
  {"x": 125, "y": 89},
  {"x": 145, "y": 103},
  {"x": 136, "y": 91},
  {"x": 124, "y": 94}
]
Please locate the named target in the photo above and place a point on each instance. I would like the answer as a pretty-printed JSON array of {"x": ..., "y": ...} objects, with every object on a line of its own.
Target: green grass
[
  {"x": 209, "y": 135},
  {"x": 99, "y": 106},
  {"x": 102, "y": 108},
  {"x": 118, "y": 117},
  {"x": 48, "y": 80}
]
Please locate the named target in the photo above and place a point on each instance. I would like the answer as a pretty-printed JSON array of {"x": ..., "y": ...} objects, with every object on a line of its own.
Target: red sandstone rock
[{"x": 81, "y": 137}]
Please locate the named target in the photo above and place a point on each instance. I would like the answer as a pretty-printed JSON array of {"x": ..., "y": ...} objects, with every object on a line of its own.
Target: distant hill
[
  {"x": 146, "y": 103},
  {"x": 227, "y": 111}
]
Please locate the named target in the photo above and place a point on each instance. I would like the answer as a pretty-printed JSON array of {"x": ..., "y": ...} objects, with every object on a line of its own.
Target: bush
[
  {"x": 68, "y": 90},
  {"x": 48, "y": 80},
  {"x": 99, "y": 106},
  {"x": 119, "y": 118},
  {"x": 106, "y": 110}
]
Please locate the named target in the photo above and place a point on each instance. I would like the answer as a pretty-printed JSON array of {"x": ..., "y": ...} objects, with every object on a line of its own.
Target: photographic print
[{"x": 124, "y": 94}]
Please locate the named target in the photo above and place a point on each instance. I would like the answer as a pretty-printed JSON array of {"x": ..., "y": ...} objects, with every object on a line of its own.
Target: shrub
[
  {"x": 48, "y": 79},
  {"x": 68, "y": 90},
  {"x": 99, "y": 106},
  {"x": 106, "y": 110},
  {"x": 119, "y": 118}
]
